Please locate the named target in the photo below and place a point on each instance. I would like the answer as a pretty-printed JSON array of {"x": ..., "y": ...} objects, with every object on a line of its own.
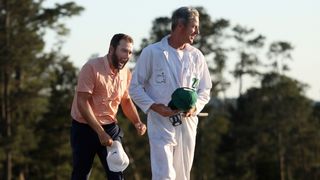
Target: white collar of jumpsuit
[
  {"x": 164, "y": 44},
  {"x": 117, "y": 158}
]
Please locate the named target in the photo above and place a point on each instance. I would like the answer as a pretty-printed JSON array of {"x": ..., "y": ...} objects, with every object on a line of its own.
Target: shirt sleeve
[
  {"x": 140, "y": 77},
  {"x": 205, "y": 85},
  {"x": 86, "y": 79}
]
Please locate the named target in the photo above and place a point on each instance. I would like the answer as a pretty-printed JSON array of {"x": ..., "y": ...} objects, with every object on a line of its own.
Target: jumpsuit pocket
[
  {"x": 159, "y": 77},
  {"x": 160, "y": 83}
]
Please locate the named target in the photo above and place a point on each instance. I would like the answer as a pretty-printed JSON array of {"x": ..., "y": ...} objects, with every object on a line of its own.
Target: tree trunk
[
  {"x": 281, "y": 158},
  {"x": 241, "y": 77},
  {"x": 7, "y": 120},
  {"x": 5, "y": 103},
  {"x": 240, "y": 85}
]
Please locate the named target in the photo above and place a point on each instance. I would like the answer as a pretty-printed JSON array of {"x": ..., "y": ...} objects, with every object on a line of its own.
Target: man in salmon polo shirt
[{"x": 102, "y": 86}]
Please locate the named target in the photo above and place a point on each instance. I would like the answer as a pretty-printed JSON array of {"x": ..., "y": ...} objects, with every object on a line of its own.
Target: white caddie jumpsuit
[{"x": 154, "y": 79}]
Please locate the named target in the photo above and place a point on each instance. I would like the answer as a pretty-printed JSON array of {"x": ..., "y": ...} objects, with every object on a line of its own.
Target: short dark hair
[
  {"x": 118, "y": 37},
  {"x": 184, "y": 15}
]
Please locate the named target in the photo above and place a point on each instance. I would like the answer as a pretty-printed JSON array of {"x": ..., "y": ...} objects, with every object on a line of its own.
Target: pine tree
[
  {"x": 24, "y": 69},
  {"x": 53, "y": 129},
  {"x": 274, "y": 137}
]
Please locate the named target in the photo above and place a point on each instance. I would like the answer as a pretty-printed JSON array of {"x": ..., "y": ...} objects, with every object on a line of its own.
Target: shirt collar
[{"x": 165, "y": 45}]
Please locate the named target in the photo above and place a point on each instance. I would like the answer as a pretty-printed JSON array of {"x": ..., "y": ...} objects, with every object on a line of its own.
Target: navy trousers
[{"x": 85, "y": 145}]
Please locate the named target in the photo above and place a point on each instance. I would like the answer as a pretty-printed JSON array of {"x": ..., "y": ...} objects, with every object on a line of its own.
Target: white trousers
[{"x": 173, "y": 161}]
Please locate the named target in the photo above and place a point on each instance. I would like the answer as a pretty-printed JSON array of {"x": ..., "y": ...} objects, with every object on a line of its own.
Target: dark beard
[{"x": 115, "y": 61}]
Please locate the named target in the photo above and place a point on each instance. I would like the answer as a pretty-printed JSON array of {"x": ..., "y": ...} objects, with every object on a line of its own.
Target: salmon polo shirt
[{"x": 107, "y": 89}]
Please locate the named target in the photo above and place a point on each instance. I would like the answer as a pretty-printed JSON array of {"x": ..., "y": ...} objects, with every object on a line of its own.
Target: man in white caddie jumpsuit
[{"x": 162, "y": 68}]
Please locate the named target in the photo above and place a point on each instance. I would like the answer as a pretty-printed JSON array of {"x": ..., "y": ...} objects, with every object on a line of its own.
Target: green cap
[{"x": 183, "y": 99}]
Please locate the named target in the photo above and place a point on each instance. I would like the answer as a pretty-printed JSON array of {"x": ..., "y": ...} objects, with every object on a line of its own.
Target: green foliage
[
  {"x": 248, "y": 62},
  {"x": 24, "y": 74},
  {"x": 269, "y": 132},
  {"x": 160, "y": 27},
  {"x": 272, "y": 130},
  {"x": 211, "y": 129},
  {"x": 54, "y": 128},
  {"x": 279, "y": 53}
]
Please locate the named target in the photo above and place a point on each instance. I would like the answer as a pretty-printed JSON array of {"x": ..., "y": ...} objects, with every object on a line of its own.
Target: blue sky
[{"x": 295, "y": 21}]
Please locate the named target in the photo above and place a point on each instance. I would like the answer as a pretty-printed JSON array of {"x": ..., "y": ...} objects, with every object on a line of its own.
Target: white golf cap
[{"x": 117, "y": 158}]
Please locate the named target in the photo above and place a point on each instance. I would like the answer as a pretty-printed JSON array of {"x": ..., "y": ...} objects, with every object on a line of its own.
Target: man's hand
[
  {"x": 163, "y": 110},
  {"x": 105, "y": 139},
  {"x": 141, "y": 128}
]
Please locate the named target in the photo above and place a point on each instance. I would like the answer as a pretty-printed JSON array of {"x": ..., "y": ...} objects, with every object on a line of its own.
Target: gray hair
[{"x": 183, "y": 15}]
